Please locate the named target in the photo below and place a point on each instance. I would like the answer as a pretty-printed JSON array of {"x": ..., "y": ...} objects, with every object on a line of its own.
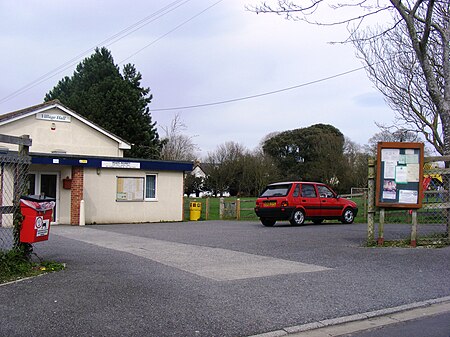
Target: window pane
[
  {"x": 325, "y": 192},
  {"x": 308, "y": 191},
  {"x": 276, "y": 190},
  {"x": 150, "y": 187}
]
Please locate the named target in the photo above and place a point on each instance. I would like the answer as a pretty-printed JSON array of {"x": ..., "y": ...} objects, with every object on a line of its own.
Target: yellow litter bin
[{"x": 195, "y": 210}]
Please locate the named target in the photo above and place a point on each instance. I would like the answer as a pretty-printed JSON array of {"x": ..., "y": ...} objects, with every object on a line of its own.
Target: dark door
[
  {"x": 48, "y": 185},
  {"x": 31, "y": 187},
  {"x": 48, "y": 188}
]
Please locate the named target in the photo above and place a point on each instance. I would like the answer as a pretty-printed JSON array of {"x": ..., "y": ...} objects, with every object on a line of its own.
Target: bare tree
[
  {"x": 234, "y": 169},
  {"x": 225, "y": 167},
  {"x": 408, "y": 60},
  {"x": 356, "y": 164},
  {"x": 177, "y": 146},
  {"x": 401, "y": 135},
  {"x": 396, "y": 70}
]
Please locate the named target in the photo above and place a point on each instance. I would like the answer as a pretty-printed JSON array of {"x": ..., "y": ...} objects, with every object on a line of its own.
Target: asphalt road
[
  {"x": 433, "y": 326},
  {"x": 214, "y": 278}
]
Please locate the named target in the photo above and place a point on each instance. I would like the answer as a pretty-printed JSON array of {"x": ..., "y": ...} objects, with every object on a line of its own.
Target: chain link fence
[
  {"x": 434, "y": 216},
  {"x": 14, "y": 169},
  {"x": 432, "y": 220}
]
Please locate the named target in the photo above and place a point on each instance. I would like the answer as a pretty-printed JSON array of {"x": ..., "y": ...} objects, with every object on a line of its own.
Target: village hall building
[{"x": 73, "y": 159}]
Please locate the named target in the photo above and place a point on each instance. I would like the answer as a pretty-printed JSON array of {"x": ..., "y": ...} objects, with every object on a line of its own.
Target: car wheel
[
  {"x": 317, "y": 221},
  {"x": 348, "y": 216},
  {"x": 297, "y": 218},
  {"x": 268, "y": 222}
]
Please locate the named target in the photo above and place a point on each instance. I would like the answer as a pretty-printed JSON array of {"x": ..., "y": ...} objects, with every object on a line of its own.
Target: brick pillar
[{"x": 76, "y": 194}]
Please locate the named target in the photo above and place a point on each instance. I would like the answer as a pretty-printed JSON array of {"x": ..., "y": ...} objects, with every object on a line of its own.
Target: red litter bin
[{"x": 37, "y": 214}]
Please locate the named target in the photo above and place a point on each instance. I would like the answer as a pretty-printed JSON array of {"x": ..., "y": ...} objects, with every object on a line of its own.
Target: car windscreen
[{"x": 276, "y": 190}]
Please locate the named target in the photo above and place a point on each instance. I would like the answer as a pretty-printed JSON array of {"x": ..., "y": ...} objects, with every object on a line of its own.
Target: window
[
  {"x": 136, "y": 188},
  {"x": 325, "y": 192},
  {"x": 308, "y": 191},
  {"x": 276, "y": 190},
  {"x": 150, "y": 187}
]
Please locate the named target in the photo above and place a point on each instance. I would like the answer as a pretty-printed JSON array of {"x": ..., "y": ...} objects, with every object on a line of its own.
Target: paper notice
[
  {"x": 389, "y": 169},
  {"x": 413, "y": 173},
  {"x": 401, "y": 174},
  {"x": 390, "y": 154},
  {"x": 407, "y": 197}
]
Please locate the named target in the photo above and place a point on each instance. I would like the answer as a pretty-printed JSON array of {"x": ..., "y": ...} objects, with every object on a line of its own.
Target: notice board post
[{"x": 399, "y": 178}]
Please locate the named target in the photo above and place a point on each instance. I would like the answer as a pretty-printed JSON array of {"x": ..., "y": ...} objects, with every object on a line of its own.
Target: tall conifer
[{"x": 117, "y": 102}]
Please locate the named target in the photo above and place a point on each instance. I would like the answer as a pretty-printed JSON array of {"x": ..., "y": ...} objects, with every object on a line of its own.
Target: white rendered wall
[{"x": 101, "y": 205}]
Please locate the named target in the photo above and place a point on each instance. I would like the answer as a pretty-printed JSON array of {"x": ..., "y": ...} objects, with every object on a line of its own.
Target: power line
[
  {"x": 107, "y": 42},
  {"x": 171, "y": 31},
  {"x": 259, "y": 95}
]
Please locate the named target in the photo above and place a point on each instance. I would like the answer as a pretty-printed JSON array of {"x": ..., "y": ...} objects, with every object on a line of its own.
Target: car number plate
[{"x": 270, "y": 203}]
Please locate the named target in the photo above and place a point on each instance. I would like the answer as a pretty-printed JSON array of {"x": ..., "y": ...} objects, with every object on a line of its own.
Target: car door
[
  {"x": 329, "y": 205},
  {"x": 309, "y": 200}
]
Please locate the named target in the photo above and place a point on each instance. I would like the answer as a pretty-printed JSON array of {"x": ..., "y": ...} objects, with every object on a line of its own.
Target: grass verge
[{"x": 14, "y": 266}]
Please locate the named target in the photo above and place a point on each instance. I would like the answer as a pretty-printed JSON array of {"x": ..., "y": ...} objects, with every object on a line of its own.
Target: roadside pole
[{"x": 371, "y": 203}]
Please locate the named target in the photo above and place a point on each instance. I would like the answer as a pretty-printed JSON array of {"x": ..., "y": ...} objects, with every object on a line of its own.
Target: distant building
[
  {"x": 201, "y": 170},
  {"x": 200, "y": 175},
  {"x": 198, "y": 171}
]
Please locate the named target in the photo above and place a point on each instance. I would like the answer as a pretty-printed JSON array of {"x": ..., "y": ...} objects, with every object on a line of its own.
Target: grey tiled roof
[
  {"x": 25, "y": 111},
  {"x": 18, "y": 113}
]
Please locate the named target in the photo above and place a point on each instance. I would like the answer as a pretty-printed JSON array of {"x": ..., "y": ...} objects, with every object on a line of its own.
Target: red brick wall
[{"x": 76, "y": 194}]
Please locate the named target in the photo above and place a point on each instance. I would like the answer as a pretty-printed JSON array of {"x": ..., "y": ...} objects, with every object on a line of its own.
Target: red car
[{"x": 300, "y": 201}]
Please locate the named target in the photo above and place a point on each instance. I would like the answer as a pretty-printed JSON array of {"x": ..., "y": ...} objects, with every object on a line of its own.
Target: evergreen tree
[
  {"x": 98, "y": 91},
  {"x": 312, "y": 153}
]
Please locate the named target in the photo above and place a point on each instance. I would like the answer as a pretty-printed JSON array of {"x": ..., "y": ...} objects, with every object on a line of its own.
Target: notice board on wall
[
  {"x": 399, "y": 175},
  {"x": 130, "y": 189}
]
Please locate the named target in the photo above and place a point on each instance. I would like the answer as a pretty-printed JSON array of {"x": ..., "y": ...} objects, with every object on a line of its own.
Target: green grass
[
  {"x": 14, "y": 266},
  {"x": 214, "y": 204},
  {"x": 247, "y": 206},
  {"x": 424, "y": 216}
]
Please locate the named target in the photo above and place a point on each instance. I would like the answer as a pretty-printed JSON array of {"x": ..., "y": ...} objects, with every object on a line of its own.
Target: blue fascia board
[{"x": 99, "y": 162}]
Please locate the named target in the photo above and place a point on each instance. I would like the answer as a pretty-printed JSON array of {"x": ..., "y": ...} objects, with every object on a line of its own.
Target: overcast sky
[{"x": 203, "y": 51}]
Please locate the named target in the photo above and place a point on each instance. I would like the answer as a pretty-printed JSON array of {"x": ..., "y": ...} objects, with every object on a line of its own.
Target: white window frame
[{"x": 155, "y": 198}]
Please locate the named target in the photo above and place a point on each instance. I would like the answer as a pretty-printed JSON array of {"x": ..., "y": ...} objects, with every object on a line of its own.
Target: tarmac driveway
[{"x": 213, "y": 278}]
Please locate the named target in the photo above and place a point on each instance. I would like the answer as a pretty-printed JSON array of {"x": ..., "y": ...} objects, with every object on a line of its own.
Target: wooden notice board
[{"x": 399, "y": 175}]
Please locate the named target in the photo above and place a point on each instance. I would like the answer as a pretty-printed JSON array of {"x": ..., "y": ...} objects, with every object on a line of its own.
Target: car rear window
[{"x": 276, "y": 190}]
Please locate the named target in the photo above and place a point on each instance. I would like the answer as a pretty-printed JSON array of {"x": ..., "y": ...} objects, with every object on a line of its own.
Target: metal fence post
[
  {"x": 371, "y": 203},
  {"x": 238, "y": 209},
  {"x": 20, "y": 178},
  {"x": 446, "y": 200},
  {"x": 414, "y": 228},
  {"x": 381, "y": 228},
  {"x": 221, "y": 208},
  {"x": 365, "y": 203}
]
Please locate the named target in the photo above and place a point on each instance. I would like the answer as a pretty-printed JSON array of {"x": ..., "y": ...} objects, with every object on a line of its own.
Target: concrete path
[{"x": 213, "y": 263}]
